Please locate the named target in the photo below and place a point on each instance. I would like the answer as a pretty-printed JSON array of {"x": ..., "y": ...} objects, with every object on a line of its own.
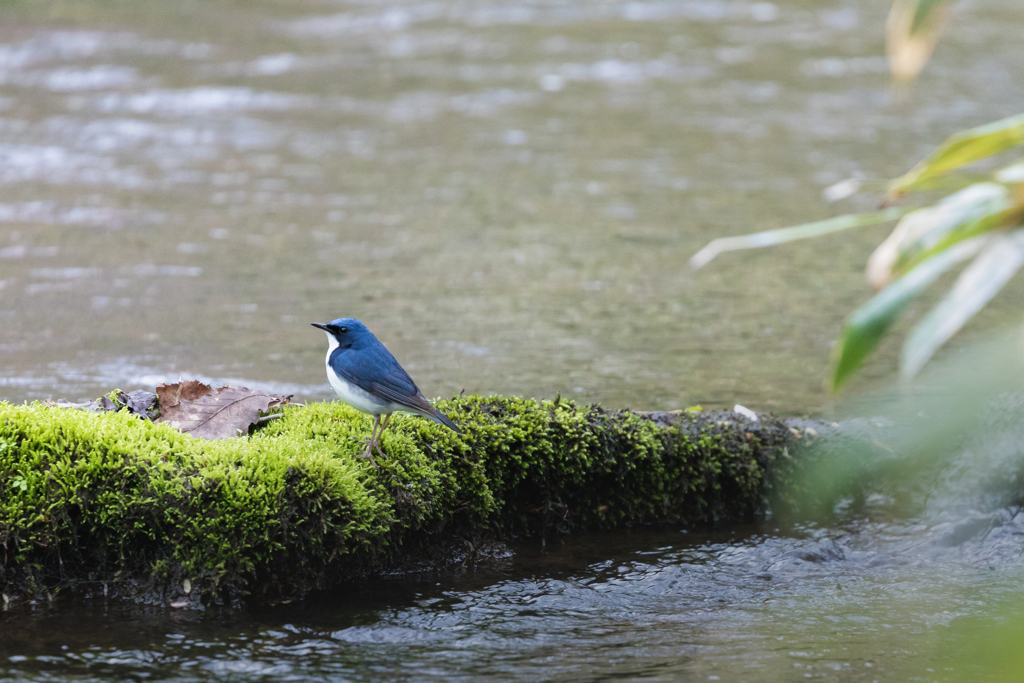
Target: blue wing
[{"x": 375, "y": 371}]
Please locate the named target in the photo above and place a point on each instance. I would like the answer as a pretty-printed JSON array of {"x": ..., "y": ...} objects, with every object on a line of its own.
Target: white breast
[{"x": 350, "y": 393}]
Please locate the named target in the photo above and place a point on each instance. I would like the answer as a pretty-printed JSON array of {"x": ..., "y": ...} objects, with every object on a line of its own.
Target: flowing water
[
  {"x": 863, "y": 601},
  {"x": 507, "y": 194}
]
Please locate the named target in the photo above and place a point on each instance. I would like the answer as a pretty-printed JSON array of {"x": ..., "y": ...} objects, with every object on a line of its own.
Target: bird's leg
[
  {"x": 381, "y": 433},
  {"x": 373, "y": 440}
]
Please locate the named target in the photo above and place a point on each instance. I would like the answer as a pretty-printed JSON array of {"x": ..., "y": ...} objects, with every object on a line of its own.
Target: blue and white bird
[{"x": 366, "y": 376}]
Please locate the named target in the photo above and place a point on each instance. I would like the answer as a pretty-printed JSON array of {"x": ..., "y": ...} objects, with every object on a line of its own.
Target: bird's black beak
[{"x": 323, "y": 326}]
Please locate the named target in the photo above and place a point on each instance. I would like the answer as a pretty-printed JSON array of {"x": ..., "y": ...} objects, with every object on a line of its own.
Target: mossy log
[{"x": 110, "y": 500}]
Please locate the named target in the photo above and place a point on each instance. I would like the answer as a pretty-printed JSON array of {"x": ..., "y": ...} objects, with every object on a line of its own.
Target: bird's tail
[{"x": 443, "y": 419}]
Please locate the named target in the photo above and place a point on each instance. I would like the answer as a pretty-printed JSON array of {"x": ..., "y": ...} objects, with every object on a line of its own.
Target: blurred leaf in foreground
[
  {"x": 771, "y": 238},
  {"x": 928, "y": 241},
  {"x": 1002, "y": 257},
  {"x": 952, "y": 439},
  {"x": 961, "y": 149},
  {"x": 866, "y": 326},
  {"x": 986, "y": 649},
  {"x": 911, "y": 32},
  {"x": 923, "y": 229}
]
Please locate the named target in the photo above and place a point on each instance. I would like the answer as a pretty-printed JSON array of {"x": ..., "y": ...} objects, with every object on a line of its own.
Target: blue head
[{"x": 348, "y": 333}]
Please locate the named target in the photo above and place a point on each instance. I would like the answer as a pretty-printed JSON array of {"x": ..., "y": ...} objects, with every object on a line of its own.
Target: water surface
[
  {"x": 506, "y": 193},
  {"x": 864, "y": 601}
]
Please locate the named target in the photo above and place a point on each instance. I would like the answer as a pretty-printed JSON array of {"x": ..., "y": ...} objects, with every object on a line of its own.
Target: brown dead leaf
[{"x": 206, "y": 413}]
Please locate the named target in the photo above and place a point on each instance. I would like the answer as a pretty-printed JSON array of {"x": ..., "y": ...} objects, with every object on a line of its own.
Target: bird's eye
[{"x": 343, "y": 329}]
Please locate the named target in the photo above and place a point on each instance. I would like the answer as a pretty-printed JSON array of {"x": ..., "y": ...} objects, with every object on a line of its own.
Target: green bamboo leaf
[
  {"x": 866, "y": 326},
  {"x": 919, "y": 231},
  {"x": 781, "y": 236},
  {"x": 961, "y": 149},
  {"x": 980, "y": 281},
  {"x": 985, "y": 224},
  {"x": 1011, "y": 214},
  {"x": 926, "y": 11}
]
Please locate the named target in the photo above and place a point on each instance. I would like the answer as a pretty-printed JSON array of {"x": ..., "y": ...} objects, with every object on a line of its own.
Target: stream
[{"x": 507, "y": 194}]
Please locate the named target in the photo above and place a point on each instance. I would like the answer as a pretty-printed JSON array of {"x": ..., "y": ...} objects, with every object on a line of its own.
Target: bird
[{"x": 366, "y": 376}]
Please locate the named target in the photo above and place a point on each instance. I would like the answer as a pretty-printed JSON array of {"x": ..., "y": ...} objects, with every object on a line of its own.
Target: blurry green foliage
[{"x": 982, "y": 223}]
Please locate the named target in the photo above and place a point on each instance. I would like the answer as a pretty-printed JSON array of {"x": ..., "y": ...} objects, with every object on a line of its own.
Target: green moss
[{"x": 86, "y": 496}]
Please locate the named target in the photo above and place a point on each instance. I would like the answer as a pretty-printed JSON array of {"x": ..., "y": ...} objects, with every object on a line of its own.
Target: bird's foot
[{"x": 369, "y": 453}]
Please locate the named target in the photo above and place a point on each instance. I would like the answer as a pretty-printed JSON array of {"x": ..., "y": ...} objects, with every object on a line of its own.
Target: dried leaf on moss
[
  {"x": 140, "y": 403},
  {"x": 206, "y": 413}
]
